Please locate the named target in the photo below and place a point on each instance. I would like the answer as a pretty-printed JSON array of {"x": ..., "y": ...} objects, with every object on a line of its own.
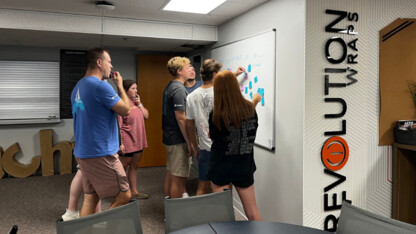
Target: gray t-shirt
[{"x": 174, "y": 99}]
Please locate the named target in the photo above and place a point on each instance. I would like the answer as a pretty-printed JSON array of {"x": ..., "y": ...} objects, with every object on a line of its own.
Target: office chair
[
  {"x": 123, "y": 219},
  {"x": 354, "y": 220},
  {"x": 185, "y": 212}
]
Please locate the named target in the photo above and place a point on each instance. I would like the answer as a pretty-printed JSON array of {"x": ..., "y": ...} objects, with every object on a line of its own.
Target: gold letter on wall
[
  {"x": 47, "y": 149},
  {"x": 15, "y": 168}
]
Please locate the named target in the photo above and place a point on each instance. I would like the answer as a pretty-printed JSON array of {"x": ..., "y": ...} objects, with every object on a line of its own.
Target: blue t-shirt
[
  {"x": 197, "y": 84},
  {"x": 95, "y": 123}
]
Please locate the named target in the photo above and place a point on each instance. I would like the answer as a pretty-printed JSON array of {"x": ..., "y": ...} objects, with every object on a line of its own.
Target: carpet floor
[{"x": 35, "y": 203}]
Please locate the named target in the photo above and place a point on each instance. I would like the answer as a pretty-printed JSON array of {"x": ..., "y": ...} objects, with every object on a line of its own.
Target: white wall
[
  {"x": 368, "y": 175},
  {"x": 27, "y": 135},
  {"x": 279, "y": 175}
]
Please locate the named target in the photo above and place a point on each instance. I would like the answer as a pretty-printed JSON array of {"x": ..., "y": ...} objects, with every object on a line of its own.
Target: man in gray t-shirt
[
  {"x": 175, "y": 138},
  {"x": 174, "y": 99}
]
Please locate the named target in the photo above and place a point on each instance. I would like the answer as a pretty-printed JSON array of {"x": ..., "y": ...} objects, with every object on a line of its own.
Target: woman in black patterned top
[{"x": 232, "y": 128}]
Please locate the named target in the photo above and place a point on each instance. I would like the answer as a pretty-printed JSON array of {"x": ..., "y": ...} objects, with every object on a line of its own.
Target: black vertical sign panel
[{"x": 72, "y": 69}]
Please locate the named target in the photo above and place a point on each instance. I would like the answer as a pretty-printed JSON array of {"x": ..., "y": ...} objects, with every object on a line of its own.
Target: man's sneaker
[
  {"x": 185, "y": 195},
  {"x": 70, "y": 215}
]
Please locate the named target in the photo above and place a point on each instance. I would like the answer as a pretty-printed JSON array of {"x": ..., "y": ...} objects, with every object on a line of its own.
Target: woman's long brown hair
[{"x": 229, "y": 104}]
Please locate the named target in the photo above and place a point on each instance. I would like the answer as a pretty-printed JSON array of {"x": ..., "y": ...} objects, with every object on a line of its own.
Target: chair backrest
[
  {"x": 122, "y": 219},
  {"x": 186, "y": 212},
  {"x": 356, "y": 220}
]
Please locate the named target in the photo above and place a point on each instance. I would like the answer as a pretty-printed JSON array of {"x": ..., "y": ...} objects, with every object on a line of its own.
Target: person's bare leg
[
  {"x": 90, "y": 204},
  {"x": 121, "y": 199},
  {"x": 132, "y": 173},
  {"x": 217, "y": 188},
  {"x": 204, "y": 187},
  {"x": 248, "y": 198},
  {"x": 75, "y": 191},
  {"x": 125, "y": 161},
  {"x": 177, "y": 186},
  {"x": 168, "y": 182},
  {"x": 98, "y": 208}
]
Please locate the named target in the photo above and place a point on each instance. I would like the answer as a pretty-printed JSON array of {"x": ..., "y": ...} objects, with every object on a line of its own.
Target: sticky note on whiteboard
[
  {"x": 251, "y": 95},
  {"x": 262, "y": 101},
  {"x": 242, "y": 87},
  {"x": 260, "y": 91},
  {"x": 250, "y": 85},
  {"x": 246, "y": 90},
  {"x": 255, "y": 79},
  {"x": 249, "y": 68}
]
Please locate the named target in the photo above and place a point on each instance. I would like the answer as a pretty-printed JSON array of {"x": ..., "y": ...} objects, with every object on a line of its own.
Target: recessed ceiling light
[
  {"x": 193, "y": 6},
  {"x": 105, "y": 5}
]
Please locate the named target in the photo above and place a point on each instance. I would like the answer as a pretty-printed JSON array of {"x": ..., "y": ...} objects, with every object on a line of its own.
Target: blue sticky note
[
  {"x": 246, "y": 90},
  {"x": 255, "y": 79},
  {"x": 251, "y": 95},
  {"x": 262, "y": 101},
  {"x": 260, "y": 91},
  {"x": 245, "y": 75},
  {"x": 250, "y": 85},
  {"x": 249, "y": 68}
]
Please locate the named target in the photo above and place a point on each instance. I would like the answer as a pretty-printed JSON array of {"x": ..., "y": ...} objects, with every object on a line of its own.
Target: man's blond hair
[{"x": 177, "y": 63}]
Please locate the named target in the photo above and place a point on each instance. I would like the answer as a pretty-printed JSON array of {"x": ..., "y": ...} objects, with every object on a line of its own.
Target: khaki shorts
[
  {"x": 177, "y": 160},
  {"x": 103, "y": 175}
]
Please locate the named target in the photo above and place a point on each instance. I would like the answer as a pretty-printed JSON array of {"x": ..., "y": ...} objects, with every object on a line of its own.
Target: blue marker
[
  {"x": 250, "y": 85},
  {"x": 255, "y": 79}
]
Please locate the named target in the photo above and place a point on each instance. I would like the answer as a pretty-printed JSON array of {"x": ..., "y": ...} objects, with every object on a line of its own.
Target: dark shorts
[
  {"x": 238, "y": 170},
  {"x": 130, "y": 154},
  {"x": 203, "y": 164},
  {"x": 103, "y": 175}
]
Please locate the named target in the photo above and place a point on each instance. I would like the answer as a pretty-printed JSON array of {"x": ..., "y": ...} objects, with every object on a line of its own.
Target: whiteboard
[{"x": 257, "y": 54}]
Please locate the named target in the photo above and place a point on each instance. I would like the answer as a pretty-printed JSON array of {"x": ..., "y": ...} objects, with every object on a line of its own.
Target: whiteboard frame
[{"x": 273, "y": 144}]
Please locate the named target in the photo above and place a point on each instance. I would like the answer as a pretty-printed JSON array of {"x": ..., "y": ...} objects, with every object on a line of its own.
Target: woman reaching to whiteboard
[{"x": 232, "y": 128}]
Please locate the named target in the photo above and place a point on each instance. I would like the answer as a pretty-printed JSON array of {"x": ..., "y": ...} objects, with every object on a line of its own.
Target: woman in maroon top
[{"x": 133, "y": 136}]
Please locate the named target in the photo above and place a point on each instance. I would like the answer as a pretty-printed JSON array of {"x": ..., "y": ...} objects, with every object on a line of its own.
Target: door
[{"x": 152, "y": 78}]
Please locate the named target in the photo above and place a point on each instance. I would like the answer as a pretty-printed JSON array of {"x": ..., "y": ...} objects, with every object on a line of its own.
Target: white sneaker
[
  {"x": 70, "y": 215},
  {"x": 185, "y": 195}
]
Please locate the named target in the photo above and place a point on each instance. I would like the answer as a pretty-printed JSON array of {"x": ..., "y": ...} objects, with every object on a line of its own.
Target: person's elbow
[
  {"x": 146, "y": 115},
  {"x": 125, "y": 112},
  {"x": 121, "y": 108},
  {"x": 189, "y": 124}
]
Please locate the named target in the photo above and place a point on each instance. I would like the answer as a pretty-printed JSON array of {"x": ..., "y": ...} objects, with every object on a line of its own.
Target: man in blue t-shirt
[{"x": 94, "y": 108}]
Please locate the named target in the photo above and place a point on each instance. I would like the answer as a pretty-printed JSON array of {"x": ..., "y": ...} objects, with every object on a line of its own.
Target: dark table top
[{"x": 249, "y": 227}]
